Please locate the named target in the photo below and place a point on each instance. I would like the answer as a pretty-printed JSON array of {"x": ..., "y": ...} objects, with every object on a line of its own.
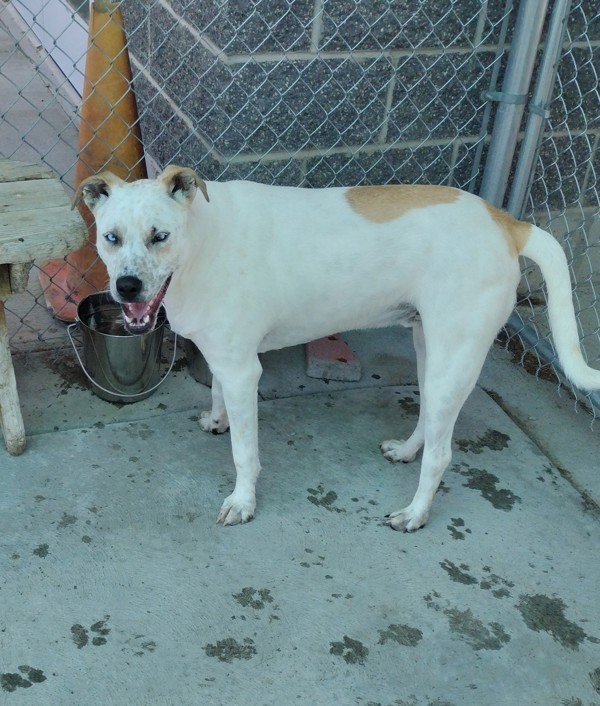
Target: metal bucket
[{"x": 121, "y": 366}]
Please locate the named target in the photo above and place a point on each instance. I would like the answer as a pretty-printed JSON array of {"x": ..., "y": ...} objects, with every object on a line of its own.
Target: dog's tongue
[
  {"x": 136, "y": 311},
  {"x": 138, "y": 316}
]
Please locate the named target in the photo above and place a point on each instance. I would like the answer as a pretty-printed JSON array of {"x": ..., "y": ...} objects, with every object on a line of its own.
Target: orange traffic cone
[{"x": 109, "y": 138}]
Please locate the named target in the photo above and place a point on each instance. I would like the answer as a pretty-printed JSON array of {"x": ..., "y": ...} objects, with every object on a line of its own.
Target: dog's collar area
[{"x": 140, "y": 317}]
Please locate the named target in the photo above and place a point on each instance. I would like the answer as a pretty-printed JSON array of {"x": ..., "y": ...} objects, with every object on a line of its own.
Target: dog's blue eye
[
  {"x": 160, "y": 237},
  {"x": 112, "y": 238}
]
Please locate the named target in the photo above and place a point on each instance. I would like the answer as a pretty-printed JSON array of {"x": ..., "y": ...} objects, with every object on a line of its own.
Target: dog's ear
[
  {"x": 181, "y": 183},
  {"x": 95, "y": 189}
]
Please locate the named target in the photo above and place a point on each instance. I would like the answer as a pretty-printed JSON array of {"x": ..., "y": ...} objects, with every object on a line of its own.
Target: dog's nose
[{"x": 129, "y": 287}]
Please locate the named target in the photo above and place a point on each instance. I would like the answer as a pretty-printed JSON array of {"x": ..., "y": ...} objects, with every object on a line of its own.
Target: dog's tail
[{"x": 543, "y": 249}]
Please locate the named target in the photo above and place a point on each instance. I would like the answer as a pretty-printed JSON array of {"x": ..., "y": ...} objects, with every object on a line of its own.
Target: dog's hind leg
[
  {"x": 406, "y": 451},
  {"x": 456, "y": 351},
  {"x": 215, "y": 421}
]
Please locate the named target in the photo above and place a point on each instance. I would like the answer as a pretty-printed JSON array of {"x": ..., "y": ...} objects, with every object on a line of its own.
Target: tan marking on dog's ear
[
  {"x": 380, "y": 204},
  {"x": 182, "y": 179},
  {"x": 92, "y": 188},
  {"x": 514, "y": 231}
]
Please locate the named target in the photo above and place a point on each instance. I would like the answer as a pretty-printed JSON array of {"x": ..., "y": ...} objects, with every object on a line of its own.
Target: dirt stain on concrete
[
  {"x": 402, "y": 634},
  {"x": 595, "y": 680},
  {"x": 454, "y": 531},
  {"x": 409, "y": 405},
  {"x": 27, "y": 677},
  {"x": 229, "y": 649},
  {"x": 140, "y": 645},
  {"x": 542, "y": 613},
  {"x": 491, "y": 582},
  {"x": 350, "y": 650},
  {"x": 487, "y": 484},
  {"x": 472, "y": 630},
  {"x": 81, "y": 636},
  {"x": 253, "y": 598},
  {"x": 41, "y": 551},
  {"x": 496, "y": 584},
  {"x": 66, "y": 521},
  {"x": 491, "y": 439},
  {"x": 321, "y": 498},
  {"x": 458, "y": 573},
  {"x": 67, "y": 369},
  {"x": 469, "y": 628}
]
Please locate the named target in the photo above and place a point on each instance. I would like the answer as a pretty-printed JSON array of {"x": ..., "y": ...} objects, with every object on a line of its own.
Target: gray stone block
[
  {"x": 425, "y": 165},
  {"x": 576, "y": 96},
  {"x": 561, "y": 172},
  {"x": 169, "y": 140},
  {"x": 493, "y": 22},
  {"x": 153, "y": 32},
  {"x": 584, "y": 20},
  {"x": 240, "y": 27},
  {"x": 439, "y": 96},
  {"x": 288, "y": 106},
  {"x": 398, "y": 24}
]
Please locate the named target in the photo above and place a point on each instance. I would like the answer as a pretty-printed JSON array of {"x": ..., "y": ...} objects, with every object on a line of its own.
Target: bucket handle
[{"x": 115, "y": 392}]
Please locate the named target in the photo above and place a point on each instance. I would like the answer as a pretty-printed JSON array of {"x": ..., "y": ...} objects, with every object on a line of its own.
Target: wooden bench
[{"x": 36, "y": 222}]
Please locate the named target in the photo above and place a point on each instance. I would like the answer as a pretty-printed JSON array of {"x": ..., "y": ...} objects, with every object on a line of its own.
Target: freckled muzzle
[{"x": 139, "y": 317}]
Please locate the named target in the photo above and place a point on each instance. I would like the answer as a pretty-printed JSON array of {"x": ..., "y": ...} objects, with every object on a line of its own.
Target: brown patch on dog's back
[
  {"x": 515, "y": 232},
  {"x": 381, "y": 204}
]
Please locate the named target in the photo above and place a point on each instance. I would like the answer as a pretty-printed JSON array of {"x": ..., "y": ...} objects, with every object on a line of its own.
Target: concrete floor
[{"x": 119, "y": 588}]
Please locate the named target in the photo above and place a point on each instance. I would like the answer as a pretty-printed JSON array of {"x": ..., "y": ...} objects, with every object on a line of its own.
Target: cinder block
[{"x": 331, "y": 359}]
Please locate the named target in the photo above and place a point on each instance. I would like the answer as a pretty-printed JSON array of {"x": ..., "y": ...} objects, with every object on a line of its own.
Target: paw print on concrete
[
  {"x": 322, "y": 498},
  {"x": 99, "y": 630},
  {"x": 28, "y": 676},
  {"x": 351, "y": 651}
]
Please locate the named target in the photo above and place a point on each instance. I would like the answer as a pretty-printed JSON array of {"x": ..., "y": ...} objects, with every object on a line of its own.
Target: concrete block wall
[
  {"x": 315, "y": 93},
  {"x": 324, "y": 92}
]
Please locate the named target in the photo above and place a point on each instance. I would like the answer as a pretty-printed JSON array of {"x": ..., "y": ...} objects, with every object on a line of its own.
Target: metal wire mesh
[
  {"x": 316, "y": 93},
  {"x": 564, "y": 196}
]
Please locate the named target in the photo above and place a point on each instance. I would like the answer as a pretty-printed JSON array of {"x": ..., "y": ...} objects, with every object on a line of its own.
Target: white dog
[{"x": 244, "y": 268}]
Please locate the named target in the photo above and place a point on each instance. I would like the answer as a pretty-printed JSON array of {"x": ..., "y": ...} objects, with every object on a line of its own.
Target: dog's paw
[
  {"x": 212, "y": 425},
  {"x": 399, "y": 451},
  {"x": 406, "y": 520},
  {"x": 236, "y": 510}
]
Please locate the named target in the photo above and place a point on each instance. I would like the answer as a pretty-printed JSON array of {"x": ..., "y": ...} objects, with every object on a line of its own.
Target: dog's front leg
[
  {"x": 240, "y": 394},
  {"x": 216, "y": 421}
]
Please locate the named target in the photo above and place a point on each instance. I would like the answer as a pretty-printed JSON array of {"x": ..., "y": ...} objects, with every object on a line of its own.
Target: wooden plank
[
  {"x": 36, "y": 221},
  {"x": 23, "y": 171},
  {"x": 10, "y": 409},
  {"x": 33, "y": 195},
  {"x": 11, "y": 419},
  {"x": 19, "y": 276},
  {"x": 45, "y": 234},
  {"x": 5, "y": 290}
]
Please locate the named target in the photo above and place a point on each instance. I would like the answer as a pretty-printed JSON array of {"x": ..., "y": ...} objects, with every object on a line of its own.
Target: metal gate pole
[
  {"x": 538, "y": 108},
  {"x": 512, "y": 99}
]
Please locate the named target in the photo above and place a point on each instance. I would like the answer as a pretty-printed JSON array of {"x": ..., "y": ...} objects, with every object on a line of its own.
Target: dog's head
[{"x": 139, "y": 235}]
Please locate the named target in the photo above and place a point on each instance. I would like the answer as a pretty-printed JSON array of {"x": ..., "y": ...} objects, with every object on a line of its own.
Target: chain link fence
[{"x": 320, "y": 93}]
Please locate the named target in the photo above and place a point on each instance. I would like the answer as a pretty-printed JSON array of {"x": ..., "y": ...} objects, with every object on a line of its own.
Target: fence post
[
  {"x": 538, "y": 108},
  {"x": 512, "y": 99}
]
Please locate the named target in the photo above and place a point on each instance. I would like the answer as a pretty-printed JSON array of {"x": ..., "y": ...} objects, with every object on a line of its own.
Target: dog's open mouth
[{"x": 140, "y": 317}]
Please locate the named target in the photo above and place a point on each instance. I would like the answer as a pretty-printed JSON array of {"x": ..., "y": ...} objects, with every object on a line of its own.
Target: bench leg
[{"x": 10, "y": 409}]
